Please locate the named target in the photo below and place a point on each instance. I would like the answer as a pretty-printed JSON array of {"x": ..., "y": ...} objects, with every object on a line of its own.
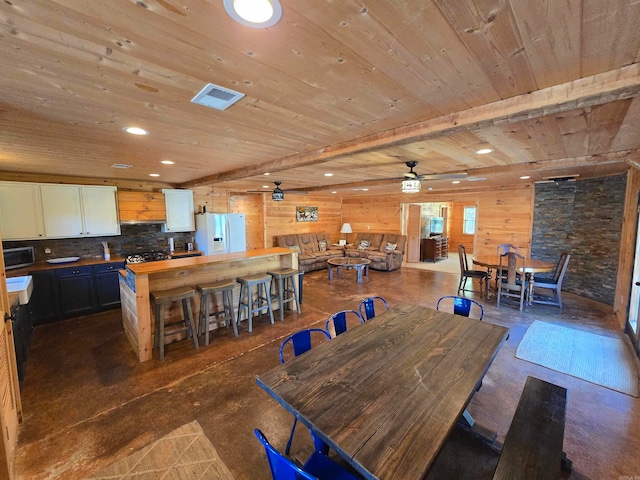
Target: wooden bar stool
[
  {"x": 261, "y": 304},
  {"x": 225, "y": 316},
  {"x": 286, "y": 286},
  {"x": 186, "y": 324}
]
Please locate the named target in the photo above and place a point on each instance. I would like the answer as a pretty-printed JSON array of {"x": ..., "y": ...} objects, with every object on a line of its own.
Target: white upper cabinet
[
  {"x": 79, "y": 211},
  {"x": 100, "y": 213},
  {"x": 20, "y": 211},
  {"x": 180, "y": 213},
  {"x": 62, "y": 211}
]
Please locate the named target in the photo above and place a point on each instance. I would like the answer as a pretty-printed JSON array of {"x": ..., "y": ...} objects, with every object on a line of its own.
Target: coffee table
[{"x": 358, "y": 264}]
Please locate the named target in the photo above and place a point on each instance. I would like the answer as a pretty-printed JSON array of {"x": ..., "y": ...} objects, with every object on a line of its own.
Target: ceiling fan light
[{"x": 410, "y": 186}]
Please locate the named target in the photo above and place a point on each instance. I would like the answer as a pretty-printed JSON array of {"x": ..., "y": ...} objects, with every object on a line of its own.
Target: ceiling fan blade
[{"x": 443, "y": 176}]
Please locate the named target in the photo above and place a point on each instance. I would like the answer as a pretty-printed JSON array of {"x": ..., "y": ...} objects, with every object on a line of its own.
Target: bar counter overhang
[{"x": 138, "y": 280}]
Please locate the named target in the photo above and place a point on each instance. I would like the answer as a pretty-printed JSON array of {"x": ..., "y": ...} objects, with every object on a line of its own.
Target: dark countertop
[{"x": 39, "y": 266}]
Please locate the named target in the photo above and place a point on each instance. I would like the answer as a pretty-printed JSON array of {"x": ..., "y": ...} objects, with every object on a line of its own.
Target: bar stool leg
[
  {"x": 281, "y": 297},
  {"x": 159, "y": 338},
  {"x": 227, "y": 300},
  {"x": 188, "y": 318},
  {"x": 267, "y": 295}
]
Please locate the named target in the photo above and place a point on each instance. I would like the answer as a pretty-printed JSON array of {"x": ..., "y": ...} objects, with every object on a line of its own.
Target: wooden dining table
[
  {"x": 386, "y": 394},
  {"x": 532, "y": 266}
]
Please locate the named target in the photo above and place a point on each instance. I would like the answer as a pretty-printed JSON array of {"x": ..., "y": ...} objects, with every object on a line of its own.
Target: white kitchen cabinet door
[
  {"x": 100, "y": 211},
  {"x": 20, "y": 211},
  {"x": 62, "y": 211},
  {"x": 180, "y": 214}
]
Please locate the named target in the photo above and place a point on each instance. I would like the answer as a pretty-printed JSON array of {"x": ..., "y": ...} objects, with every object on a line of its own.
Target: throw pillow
[
  {"x": 322, "y": 245},
  {"x": 390, "y": 247},
  {"x": 295, "y": 248},
  {"x": 363, "y": 244}
]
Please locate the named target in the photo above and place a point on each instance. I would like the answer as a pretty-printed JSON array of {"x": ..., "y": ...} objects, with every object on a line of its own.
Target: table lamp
[{"x": 346, "y": 229}]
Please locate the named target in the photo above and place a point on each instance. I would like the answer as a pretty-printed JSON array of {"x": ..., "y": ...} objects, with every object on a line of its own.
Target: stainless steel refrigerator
[{"x": 221, "y": 233}]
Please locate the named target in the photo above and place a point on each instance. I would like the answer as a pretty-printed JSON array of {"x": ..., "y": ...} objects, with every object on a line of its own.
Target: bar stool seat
[
  {"x": 286, "y": 288},
  {"x": 186, "y": 324},
  {"x": 225, "y": 316},
  {"x": 261, "y": 304}
]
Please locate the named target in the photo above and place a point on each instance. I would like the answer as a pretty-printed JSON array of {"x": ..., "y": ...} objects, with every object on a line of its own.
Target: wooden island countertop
[{"x": 139, "y": 279}]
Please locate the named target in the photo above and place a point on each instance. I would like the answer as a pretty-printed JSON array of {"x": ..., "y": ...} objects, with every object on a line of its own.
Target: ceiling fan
[
  {"x": 278, "y": 194},
  {"x": 411, "y": 175}
]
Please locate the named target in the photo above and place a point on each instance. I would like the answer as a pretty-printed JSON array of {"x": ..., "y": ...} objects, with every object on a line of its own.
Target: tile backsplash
[{"x": 134, "y": 238}]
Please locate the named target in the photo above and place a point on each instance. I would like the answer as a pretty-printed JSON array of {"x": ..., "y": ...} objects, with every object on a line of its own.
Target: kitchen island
[{"x": 138, "y": 280}]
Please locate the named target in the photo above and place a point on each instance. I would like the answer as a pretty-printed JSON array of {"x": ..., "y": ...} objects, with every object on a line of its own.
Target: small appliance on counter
[{"x": 18, "y": 257}]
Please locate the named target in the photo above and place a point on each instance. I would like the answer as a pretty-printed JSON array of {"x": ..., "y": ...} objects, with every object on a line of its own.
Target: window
[{"x": 469, "y": 221}]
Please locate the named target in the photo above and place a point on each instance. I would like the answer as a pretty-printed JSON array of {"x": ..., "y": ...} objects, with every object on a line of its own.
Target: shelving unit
[{"x": 434, "y": 249}]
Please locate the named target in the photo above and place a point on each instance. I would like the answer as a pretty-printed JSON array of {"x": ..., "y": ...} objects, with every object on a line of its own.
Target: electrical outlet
[{"x": 47, "y": 250}]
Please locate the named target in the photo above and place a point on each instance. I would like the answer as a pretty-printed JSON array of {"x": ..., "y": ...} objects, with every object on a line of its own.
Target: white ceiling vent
[{"x": 215, "y": 96}]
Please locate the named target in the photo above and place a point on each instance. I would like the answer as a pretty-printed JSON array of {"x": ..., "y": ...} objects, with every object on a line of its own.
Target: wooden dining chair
[
  {"x": 460, "y": 306},
  {"x": 367, "y": 307},
  {"x": 504, "y": 248},
  {"x": 513, "y": 285},
  {"x": 338, "y": 322},
  {"x": 554, "y": 283},
  {"x": 466, "y": 273},
  {"x": 300, "y": 343},
  {"x": 317, "y": 467}
]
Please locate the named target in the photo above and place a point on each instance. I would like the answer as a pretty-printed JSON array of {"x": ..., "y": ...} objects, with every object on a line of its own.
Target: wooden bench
[{"x": 533, "y": 445}]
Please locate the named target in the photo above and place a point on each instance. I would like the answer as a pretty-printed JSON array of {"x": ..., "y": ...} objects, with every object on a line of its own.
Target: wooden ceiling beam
[
  {"x": 626, "y": 156},
  {"x": 599, "y": 89}
]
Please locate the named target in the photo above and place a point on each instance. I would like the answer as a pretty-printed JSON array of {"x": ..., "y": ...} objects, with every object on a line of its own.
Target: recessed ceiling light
[
  {"x": 136, "y": 131},
  {"x": 121, "y": 165},
  {"x": 328, "y": 174},
  {"x": 254, "y": 13},
  {"x": 429, "y": 188},
  {"x": 484, "y": 151},
  {"x": 266, "y": 186},
  {"x": 167, "y": 162},
  {"x": 154, "y": 174},
  {"x": 334, "y": 192},
  {"x": 524, "y": 177},
  {"x": 456, "y": 181},
  {"x": 267, "y": 173}
]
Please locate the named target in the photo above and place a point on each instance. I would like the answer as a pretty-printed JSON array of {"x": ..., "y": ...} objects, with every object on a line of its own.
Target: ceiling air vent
[{"x": 215, "y": 96}]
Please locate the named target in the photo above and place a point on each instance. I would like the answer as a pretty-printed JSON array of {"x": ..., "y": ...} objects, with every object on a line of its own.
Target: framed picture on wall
[{"x": 307, "y": 214}]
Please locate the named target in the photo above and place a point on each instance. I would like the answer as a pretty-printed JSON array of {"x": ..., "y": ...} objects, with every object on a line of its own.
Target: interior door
[
  {"x": 634, "y": 301},
  {"x": 413, "y": 234}
]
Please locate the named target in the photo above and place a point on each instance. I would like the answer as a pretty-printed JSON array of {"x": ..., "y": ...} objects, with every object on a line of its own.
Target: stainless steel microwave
[{"x": 18, "y": 257}]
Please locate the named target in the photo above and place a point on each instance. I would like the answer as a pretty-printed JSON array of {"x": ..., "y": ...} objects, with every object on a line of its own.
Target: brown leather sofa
[
  {"x": 310, "y": 257},
  {"x": 385, "y": 250}
]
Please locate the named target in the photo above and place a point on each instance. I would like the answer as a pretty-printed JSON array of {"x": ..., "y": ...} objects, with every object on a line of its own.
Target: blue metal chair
[
  {"x": 317, "y": 467},
  {"x": 301, "y": 343},
  {"x": 339, "y": 321},
  {"x": 461, "y": 305},
  {"x": 367, "y": 307}
]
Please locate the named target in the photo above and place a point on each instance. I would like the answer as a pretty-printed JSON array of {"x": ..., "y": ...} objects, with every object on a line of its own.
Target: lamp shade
[
  {"x": 346, "y": 228},
  {"x": 410, "y": 186}
]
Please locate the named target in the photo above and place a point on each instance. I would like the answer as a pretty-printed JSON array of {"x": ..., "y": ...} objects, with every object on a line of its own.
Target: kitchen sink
[{"x": 23, "y": 286}]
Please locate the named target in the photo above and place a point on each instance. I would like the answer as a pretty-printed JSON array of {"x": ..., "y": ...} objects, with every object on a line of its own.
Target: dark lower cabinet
[
  {"x": 77, "y": 291},
  {"x": 44, "y": 302},
  {"x": 107, "y": 285},
  {"x": 22, "y": 329},
  {"x": 74, "y": 291}
]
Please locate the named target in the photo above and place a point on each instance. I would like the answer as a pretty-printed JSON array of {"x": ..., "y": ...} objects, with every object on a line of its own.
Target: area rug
[
  {"x": 185, "y": 453},
  {"x": 605, "y": 361}
]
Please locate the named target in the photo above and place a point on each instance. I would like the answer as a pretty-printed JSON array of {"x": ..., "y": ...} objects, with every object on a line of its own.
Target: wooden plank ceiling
[{"x": 352, "y": 88}]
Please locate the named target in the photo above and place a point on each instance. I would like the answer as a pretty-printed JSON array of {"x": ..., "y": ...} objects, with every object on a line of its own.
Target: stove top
[{"x": 141, "y": 257}]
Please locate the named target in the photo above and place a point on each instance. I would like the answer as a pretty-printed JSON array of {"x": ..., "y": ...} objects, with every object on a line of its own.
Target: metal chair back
[
  {"x": 300, "y": 341},
  {"x": 461, "y": 305},
  {"x": 339, "y": 321},
  {"x": 367, "y": 307}
]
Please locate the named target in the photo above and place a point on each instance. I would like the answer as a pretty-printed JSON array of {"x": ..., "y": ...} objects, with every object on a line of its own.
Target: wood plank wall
[
  {"x": 280, "y": 217},
  {"x": 381, "y": 214},
  {"x": 253, "y": 207}
]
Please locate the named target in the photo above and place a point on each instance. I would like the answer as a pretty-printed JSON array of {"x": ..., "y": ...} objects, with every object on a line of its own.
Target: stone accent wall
[
  {"x": 134, "y": 238},
  {"x": 585, "y": 219}
]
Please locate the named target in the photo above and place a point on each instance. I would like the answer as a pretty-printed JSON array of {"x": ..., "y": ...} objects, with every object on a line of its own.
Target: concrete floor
[{"x": 87, "y": 402}]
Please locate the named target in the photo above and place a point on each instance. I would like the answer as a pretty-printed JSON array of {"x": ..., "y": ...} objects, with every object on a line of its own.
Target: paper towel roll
[{"x": 171, "y": 244}]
